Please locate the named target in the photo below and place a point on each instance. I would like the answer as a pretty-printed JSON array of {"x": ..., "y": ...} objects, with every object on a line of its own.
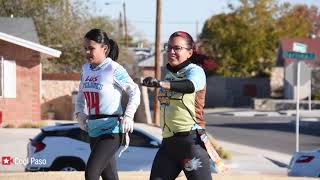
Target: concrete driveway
[{"x": 13, "y": 143}]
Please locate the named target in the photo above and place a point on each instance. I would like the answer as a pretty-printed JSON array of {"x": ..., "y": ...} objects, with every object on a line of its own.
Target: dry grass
[
  {"x": 37, "y": 124},
  {"x": 224, "y": 154},
  {"x": 8, "y": 126}
]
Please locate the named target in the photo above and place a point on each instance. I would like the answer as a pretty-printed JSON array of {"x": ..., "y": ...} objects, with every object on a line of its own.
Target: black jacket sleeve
[{"x": 182, "y": 86}]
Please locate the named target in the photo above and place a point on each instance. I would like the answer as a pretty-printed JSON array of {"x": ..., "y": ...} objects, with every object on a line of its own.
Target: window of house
[{"x": 8, "y": 78}]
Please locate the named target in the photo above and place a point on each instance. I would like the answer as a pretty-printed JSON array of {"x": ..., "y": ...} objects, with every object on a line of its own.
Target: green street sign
[{"x": 298, "y": 55}]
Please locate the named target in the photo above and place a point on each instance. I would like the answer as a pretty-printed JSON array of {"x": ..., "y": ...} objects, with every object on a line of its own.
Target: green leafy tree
[
  {"x": 62, "y": 25},
  {"x": 244, "y": 41},
  {"x": 297, "y": 21}
]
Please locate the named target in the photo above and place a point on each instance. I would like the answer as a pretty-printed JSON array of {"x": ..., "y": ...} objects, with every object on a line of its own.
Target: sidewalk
[
  {"x": 248, "y": 112},
  {"x": 255, "y": 161},
  {"x": 307, "y": 118},
  {"x": 133, "y": 176}
]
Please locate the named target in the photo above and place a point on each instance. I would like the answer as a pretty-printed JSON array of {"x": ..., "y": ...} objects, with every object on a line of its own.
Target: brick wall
[
  {"x": 26, "y": 106},
  {"x": 61, "y": 76},
  {"x": 147, "y": 71}
]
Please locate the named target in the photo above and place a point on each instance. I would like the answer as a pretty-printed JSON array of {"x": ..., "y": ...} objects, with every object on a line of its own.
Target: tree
[
  {"x": 244, "y": 41},
  {"x": 62, "y": 25},
  {"x": 297, "y": 20},
  {"x": 58, "y": 24}
]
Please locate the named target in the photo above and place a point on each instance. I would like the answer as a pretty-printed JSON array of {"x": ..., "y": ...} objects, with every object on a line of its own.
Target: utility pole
[
  {"x": 156, "y": 116},
  {"x": 125, "y": 24},
  {"x": 197, "y": 24},
  {"x": 120, "y": 27}
]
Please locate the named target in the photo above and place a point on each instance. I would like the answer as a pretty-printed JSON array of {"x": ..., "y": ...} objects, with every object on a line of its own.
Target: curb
[
  {"x": 250, "y": 114},
  {"x": 307, "y": 122}
]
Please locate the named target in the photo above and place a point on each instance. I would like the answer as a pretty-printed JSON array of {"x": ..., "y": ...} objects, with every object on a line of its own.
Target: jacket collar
[{"x": 175, "y": 69}]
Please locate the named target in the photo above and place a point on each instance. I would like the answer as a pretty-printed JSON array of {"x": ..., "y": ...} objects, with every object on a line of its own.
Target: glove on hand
[
  {"x": 151, "y": 82},
  {"x": 126, "y": 124},
  {"x": 82, "y": 119}
]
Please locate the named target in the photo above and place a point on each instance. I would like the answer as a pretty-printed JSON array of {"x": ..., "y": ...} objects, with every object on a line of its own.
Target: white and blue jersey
[{"x": 100, "y": 93}]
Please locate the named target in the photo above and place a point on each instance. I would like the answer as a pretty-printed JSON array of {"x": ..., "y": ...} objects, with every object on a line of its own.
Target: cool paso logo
[{"x": 8, "y": 160}]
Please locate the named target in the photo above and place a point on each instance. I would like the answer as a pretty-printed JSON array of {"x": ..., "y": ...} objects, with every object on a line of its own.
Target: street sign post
[{"x": 299, "y": 53}]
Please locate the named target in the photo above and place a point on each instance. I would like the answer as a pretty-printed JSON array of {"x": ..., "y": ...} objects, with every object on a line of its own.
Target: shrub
[
  {"x": 33, "y": 124},
  {"x": 317, "y": 95},
  {"x": 8, "y": 126}
]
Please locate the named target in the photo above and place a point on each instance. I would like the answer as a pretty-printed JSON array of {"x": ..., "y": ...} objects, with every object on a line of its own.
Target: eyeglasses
[{"x": 175, "y": 48}]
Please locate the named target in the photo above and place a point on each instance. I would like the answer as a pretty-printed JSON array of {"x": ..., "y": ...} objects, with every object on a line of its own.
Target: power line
[{"x": 172, "y": 22}]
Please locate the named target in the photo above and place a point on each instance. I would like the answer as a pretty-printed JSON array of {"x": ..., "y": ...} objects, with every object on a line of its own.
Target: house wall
[
  {"x": 235, "y": 92},
  {"x": 147, "y": 71},
  {"x": 26, "y": 106},
  {"x": 56, "y": 95}
]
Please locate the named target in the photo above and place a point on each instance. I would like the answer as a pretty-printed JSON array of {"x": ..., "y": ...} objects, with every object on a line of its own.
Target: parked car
[
  {"x": 65, "y": 147},
  {"x": 305, "y": 163}
]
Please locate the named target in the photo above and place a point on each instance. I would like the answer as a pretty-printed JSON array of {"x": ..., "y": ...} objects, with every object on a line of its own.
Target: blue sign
[{"x": 299, "y": 56}]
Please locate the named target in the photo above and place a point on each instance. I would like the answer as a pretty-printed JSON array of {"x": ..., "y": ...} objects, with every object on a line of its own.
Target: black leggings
[
  {"x": 178, "y": 153},
  {"x": 102, "y": 160}
]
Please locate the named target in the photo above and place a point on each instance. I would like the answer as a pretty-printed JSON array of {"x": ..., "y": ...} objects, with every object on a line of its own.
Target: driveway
[{"x": 14, "y": 145}]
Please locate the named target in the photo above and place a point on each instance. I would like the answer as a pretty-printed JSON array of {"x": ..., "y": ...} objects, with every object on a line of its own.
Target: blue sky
[{"x": 186, "y": 15}]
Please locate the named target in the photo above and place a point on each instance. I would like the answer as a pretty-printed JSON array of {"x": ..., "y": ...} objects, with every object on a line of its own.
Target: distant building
[
  {"x": 289, "y": 67},
  {"x": 141, "y": 53},
  {"x": 147, "y": 65},
  {"x": 20, "y": 76}
]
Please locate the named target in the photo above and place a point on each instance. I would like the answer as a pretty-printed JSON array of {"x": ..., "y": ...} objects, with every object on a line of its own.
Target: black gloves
[{"x": 151, "y": 82}]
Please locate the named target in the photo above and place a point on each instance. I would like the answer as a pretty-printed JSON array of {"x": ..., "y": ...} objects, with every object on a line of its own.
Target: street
[{"x": 270, "y": 133}]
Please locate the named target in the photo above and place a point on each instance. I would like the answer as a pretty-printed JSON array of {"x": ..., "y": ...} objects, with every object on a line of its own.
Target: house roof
[
  {"x": 44, "y": 50},
  {"x": 286, "y": 44},
  {"x": 149, "y": 62},
  {"x": 20, "y": 27}
]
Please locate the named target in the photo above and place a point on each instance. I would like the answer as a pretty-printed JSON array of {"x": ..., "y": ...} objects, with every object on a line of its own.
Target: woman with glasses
[{"x": 182, "y": 95}]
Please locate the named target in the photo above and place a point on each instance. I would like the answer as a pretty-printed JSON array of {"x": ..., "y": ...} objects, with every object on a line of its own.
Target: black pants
[
  {"x": 102, "y": 160},
  {"x": 178, "y": 153}
]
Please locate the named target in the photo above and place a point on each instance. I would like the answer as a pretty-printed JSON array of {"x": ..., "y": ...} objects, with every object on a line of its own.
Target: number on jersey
[{"x": 92, "y": 99}]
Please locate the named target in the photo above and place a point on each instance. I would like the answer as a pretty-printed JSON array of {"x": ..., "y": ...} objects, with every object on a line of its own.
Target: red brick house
[
  {"x": 289, "y": 67},
  {"x": 20, "y": 67}
]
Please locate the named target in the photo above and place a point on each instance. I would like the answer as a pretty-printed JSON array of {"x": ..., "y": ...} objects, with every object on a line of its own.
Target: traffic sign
[
  {"x": 299, "y": 47},
  {"x": 299, "y": 56}
]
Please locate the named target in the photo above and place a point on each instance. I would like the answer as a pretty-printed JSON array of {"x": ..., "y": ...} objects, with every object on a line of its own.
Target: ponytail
[{"x": 113, "y": 50}]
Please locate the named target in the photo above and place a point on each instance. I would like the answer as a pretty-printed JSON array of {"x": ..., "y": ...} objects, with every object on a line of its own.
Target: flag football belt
[
  {"x": 186, "y": 133},
  {"x": 100, "y": 116}
]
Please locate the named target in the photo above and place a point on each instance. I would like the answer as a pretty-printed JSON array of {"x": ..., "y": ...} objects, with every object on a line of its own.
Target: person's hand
[
  {"x": 82, "y": 119},
  {"x": 126, "y": 124},
  {"x": 151, "y": 82}
]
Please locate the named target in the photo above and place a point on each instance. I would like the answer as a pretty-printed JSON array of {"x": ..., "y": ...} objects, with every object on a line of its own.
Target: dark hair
[
  {"x": 190, "y": 43},
  {"x": 101, "y": 37},
  {"x": 185, "y": 36}
]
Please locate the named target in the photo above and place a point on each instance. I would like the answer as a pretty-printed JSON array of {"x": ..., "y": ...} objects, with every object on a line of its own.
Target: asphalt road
[{"x": 270, "y": 133}]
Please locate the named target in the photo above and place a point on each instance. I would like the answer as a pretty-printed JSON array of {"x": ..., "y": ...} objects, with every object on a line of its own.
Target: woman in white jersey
[{"x": 98, "y": 107}]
